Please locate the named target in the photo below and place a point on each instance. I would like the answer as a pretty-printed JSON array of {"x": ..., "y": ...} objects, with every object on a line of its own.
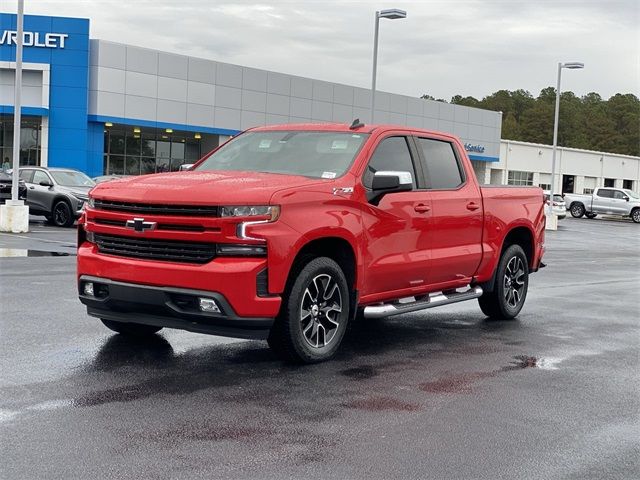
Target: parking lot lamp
[
  {"x": 573, "y": 66},
  {"x": 391, "y": 14}
]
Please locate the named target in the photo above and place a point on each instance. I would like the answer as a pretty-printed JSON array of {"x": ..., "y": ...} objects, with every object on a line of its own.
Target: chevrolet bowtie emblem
[{"x": 139, "y": 225}]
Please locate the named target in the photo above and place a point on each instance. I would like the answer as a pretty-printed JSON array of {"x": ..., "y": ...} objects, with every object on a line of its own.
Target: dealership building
[
  {"x": 108, "y": 108},
  {"x": 105, "y": 107}
]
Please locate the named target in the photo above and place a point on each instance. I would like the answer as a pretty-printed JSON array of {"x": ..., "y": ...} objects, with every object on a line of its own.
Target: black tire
[
  {"x": 131, "y": 329},
  {"x": 512, "y": 275},
  {"x": 61, "y": 215},
  {"x": 635, "y": 215},
  {"x": 577, "y": 210},
  {"x": 316, "y": 300},
  {"x": 590, "y": 215}
]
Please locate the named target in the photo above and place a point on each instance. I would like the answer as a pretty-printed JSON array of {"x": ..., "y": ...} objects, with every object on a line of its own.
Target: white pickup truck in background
[{"x": 607, "y": 201}]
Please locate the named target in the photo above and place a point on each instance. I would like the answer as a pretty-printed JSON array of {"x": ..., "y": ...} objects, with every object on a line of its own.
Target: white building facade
[{"x": 577, "y": 171}]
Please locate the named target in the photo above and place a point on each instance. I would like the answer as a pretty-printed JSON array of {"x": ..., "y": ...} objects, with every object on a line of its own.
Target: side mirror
[
  {"x": 46, "y": 183},
  {"x": 391, "y": 181},
  {"x": 185, "y": 167},
  {"x": 626, "y": 198}
]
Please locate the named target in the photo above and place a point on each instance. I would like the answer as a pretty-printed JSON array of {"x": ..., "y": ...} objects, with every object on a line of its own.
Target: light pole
[
  {"x": 14, "y": 214},
  {"x": 571, "y": 65},
  {"x": 391, "y": 14},
  {"x": 17, "y": 104}
]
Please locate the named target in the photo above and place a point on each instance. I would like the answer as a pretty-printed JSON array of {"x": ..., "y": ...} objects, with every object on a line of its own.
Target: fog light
[
  {"x": 208, "y": 305},
  {"x": 88, "y": 289}
]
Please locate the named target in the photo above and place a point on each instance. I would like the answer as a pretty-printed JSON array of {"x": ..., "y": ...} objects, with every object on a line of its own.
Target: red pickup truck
[{"x": 288, "y": 232}]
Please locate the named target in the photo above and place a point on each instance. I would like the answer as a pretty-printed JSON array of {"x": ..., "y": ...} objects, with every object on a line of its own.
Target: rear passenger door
[
  {"x": 457, "y": 215},
  {"x": 603, "y": 201}
]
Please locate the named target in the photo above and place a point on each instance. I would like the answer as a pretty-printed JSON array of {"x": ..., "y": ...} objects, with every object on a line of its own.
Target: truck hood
[{"x": 200, "y": 188}]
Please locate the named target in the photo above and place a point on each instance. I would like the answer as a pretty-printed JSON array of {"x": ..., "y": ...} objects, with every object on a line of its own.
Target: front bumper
[{"x": 167, "y": 307}]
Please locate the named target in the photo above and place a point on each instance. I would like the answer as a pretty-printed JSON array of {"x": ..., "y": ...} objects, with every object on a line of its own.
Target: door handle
[
  {"x": 472, "y": 206},
  {"x": 422, "y": 208}
]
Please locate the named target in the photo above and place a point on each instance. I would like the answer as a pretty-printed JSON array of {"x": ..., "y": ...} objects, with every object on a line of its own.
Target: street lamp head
[
  {"x": 573, "y": 65},
  {"x": 392, "y": 13}
]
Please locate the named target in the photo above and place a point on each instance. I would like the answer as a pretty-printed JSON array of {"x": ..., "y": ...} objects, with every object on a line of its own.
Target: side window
[
  {"x": 617, "y": 194},
  {"x": 40, "y": 176},
  {"x": 442, "y": 167},
  {"x": 26, "y": 175},
  {"x": 604, "y": 193},
  {"x": 391, "y": 154}
]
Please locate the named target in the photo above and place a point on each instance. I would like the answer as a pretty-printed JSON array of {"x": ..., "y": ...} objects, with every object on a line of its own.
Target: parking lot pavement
[{"x": 442, "y": 394}]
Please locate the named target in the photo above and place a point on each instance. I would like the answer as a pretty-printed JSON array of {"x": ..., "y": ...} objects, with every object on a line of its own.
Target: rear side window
[
  {"x": 391, "y": 154},
  {"x": 26, "y": 175},
  {"x": 605, "y": 193},
  {"x": 442, "y": 166}
]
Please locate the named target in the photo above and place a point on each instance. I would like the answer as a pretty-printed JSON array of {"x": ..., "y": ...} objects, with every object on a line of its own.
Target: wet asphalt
[{"x": 443, "y": 394}]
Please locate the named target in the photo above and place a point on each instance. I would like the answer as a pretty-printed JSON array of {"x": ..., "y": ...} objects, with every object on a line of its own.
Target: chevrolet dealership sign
[{"x": 34, "y": 39}]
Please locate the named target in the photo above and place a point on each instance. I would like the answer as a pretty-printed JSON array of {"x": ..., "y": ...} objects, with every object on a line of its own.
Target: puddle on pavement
[{"x": 24, "y": 252}]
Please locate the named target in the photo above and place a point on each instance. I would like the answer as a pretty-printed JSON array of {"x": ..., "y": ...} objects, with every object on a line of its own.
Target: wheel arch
[
  {"x": 517, "y": 235},
  {"x": 337, "y": 248}
]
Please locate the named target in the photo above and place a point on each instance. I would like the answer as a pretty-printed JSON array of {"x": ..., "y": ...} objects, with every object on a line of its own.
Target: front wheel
[
  {"x": 131, "y": 329},
  {"x": 314, "y": 314},
  {"x": 577, "y": 210},
  {"x": 635, "y": 215},
  {"x": 61, "y": 214},
  {"x": 510, "y": 289}
]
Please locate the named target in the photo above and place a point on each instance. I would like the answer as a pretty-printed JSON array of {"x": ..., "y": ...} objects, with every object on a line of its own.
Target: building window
[
  {"x": 609, "y": 182},
  {"x": 520, "y": 178},
  {"x": 628, "y": 184},
  {"x": 30, "y": 138},
  {"x": 587, "y": 191},
  {"x": 137, "y": 151},
  {"x": 545, "y": 186}
]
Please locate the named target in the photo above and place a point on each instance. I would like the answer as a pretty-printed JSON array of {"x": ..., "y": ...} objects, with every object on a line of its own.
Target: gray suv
[{"x": 57, "y": 193}]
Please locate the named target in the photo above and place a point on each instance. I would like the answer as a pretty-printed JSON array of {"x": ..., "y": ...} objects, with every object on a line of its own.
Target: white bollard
[
  {"x": 14, "y": 217},
  {"x": 552, "y": 219}
]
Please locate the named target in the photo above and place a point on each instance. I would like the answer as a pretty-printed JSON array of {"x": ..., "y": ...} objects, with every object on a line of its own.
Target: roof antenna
[{"x": 356, "y": 124}]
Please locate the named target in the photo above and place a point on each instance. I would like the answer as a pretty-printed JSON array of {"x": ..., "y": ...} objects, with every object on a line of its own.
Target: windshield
[
  {"x": 71, "y": 179},
  {"x": 631, "y": 193},
  {"x": 292, "y": 152}
]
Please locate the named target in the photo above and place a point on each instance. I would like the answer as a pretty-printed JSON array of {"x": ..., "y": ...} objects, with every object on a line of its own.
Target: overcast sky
[{"x": 443, "y": 48}]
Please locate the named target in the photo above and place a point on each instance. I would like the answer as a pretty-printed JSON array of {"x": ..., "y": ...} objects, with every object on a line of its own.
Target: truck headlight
[
  {"x": 270, "y": 211},
  {"x": 91, "y": 202}
]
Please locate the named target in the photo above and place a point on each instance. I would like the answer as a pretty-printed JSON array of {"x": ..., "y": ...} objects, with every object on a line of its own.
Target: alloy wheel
[
  {"x": 60, "y": 214},
  {"x": 513, "y": 282},
  {"x": 320, "y": 310},
  {"x": 636, "y": 215}
]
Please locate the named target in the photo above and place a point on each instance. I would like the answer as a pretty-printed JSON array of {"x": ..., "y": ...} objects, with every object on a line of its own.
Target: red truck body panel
[{"x": 409, "y": 244}]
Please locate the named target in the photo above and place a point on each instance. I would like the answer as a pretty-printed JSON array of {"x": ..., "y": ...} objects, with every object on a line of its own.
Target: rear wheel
[
  {"x": 314, "y": 313},
  {"x": 635, "y": 215},
  {"x": 510, "y": 289},
  {"x": 577, "y": 210},
  {"x": 131, "y": 329},
  {"x": 590, "y": 215}
]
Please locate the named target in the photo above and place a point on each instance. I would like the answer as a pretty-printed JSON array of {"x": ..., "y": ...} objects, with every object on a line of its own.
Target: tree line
[{"x": 587, "y": 122}]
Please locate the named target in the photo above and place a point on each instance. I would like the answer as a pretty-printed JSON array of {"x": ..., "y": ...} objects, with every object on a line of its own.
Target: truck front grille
[
  {"x": 154, "y": 249},
  {"x": 157, "y": 209}
]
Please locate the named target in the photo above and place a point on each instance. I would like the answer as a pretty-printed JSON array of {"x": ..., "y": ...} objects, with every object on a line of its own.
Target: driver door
[
  {"x": 39, "y": 197},
  {"x": 397, "y": 255}
]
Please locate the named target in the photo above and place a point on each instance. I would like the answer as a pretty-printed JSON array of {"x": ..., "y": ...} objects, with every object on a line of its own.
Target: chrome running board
[{"x": 420, "y": 303}]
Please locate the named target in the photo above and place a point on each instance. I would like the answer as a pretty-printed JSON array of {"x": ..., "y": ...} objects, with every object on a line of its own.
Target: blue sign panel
[{"x": 63, "y": 44}]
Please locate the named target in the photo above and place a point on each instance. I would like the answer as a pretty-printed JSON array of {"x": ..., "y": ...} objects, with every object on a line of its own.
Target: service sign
[{"x": 34, "y": 39}]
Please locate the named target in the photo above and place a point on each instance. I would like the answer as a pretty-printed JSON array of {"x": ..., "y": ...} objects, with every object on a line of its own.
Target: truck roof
[{"x": 344, "y": 127}]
